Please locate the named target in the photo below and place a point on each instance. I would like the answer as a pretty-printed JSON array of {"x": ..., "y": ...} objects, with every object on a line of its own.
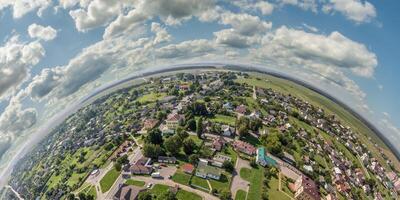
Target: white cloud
[
  {"x": 355, "y": 10},
  {"x": 16, "y": 60},
  {"x": 303, "y": 4},
  {"x": 44, "y": 33},
  {"x": 311, "y": 28},
  {"x": 262, "y": 6},
  {"x": 186, "y": 49},
  {"x": 130, "y": 23},
  {"x": 98, "y": 13},
  {"x": 22, "y": 7}
]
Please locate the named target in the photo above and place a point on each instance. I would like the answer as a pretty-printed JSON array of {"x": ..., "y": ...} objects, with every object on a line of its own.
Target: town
[{"x": 206, "y": 135}]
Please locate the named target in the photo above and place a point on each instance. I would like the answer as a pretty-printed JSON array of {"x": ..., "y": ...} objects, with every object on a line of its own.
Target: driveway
[{"x": 237, "y": 182}]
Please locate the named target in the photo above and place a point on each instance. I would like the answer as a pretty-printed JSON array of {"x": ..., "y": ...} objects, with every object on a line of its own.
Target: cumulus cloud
[
  {"x": 44, "y": 33},
  {"x": 355, "y": 10},
  {"x": 246, "y": 30},
  {"x": 132, "y": 22},
  {"x": 22, "y": 7},
  {"x": 303, "y": 4},
  {"x": 16, "y": 60},
  {"x": 98, "y": 13},
  {"x": 186, "y": 49},
  {"x": 264, "y": 7}
]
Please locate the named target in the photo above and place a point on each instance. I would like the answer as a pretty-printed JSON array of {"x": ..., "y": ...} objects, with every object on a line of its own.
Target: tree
[
  {"x": 273, "y": 144},
  {"x": 242, "y": 125},
  {"x": 191, "y": 125},
  {"x": 169, "y": 195},
  {"x": 151, "y": 150},
  {"x": 199, "y": 109},
  {"x": 118, "y": 166},
  {"x": 189, "y": 146},
  {"x": 243, "y": 131},
  {"x": 199, "y": 127},
  {"x": 173, "y": 144},
  {"x": 225, "y": 195},
  {"x": 182, "y": 133},
  {"x": 253, "y": 162},
  {"x": 194, "y": 158},
  {"x": 71, "y": 196},
  {"x": 155, "y": 137},
  {"x": 228, "y": 166},
  {"x": 123, "y": 160},
  {"x": 145, "y": 196}
]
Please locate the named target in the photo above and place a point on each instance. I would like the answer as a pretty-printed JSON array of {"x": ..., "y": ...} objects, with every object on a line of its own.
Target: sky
[{"x": 53, "y": 53}]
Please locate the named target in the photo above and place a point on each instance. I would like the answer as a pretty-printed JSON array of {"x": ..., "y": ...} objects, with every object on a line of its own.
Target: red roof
[
  {"x": 188, "y": 168},
  {"x": 174, "y": 117},
  {"x": 241, "y": 109}
]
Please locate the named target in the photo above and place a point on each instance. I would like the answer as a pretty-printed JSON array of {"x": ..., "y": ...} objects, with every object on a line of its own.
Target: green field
[
  {"x": 255, "y": 177},
  {"x": 223, "y": 119},
  {"x": 135, "y": 182},
  {"x": 240, "y": 195},
  {"x": 200, "y": 182},
  {"x": 181, "y": 177},
  {"x": 108, "y": 180},
  {"x": 273, "y": 192},
  {"x": 185, "y": 195},
  {"x": 90, "y": 190},
  {"x": 223, "y": 183},
  {"x": 287, "y": 87},
  {"x": 152, "y": 97}
]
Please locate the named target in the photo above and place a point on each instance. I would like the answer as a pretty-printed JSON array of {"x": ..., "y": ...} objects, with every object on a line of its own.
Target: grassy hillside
[{"x": 346, "y": 118}]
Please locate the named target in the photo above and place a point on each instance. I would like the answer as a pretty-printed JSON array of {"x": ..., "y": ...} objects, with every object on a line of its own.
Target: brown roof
[
  {"x": 127, "y": 192},
  {"x": 310, "y": 187},
  {"x": 244, "y": 147},
  {"x": 174, "y": 117},
  {"x": 150, "y": 123},
  {"x": 241, "y": 109},
  {"x": 140, "y": 169},
  {"x": 188, "y": 168}
]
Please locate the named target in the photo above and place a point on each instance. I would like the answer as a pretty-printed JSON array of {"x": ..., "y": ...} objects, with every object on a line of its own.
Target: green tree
[
  {"x": 155, "y": 137},
  {"x": 228, "y": 166},
  {"x": 173, "y": 144},
  {"x": 225, "y": 195},
  {"x": 151, "y": 150},
  {"x": 145, "y": 196},
  {"x": 169, "y": 195},
  {"x": 194, "y": 158},
  {"x": 199, "y": 127},
  {"x": 189, "y": 146},
  {"x": 273, "y": 144},
  {"x": 118, "y": 166},
  {"x": 191, "y": 125},
  {"x": 182, "y": 133}
]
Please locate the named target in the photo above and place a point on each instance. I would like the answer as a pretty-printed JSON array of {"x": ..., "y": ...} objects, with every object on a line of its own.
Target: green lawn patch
[
  {"x": 273, "y": 192},
  {"x": 241, "y": 195},
  {"x": 185, "y": 195},
  {"x": 224, "y": 119},
  {"x": 159, "y": 189},
  {"x": 200, "y": 182},
  {"x": 152, "y": 97},
  {"x": 222, "y": 183},
  {"x": 135, "y": 182},
  {"x": 181, "y": 177},
  {"x": 255, "y": 177},
  {"x": 108, "y": 180}
]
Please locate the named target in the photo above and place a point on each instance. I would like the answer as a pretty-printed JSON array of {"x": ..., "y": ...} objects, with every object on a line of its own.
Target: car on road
[{"x": 149, "y": 185}]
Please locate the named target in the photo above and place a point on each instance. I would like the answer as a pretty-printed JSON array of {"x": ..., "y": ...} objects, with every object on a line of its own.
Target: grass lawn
[
  {"x": 185, "y": 195},
  {"x": 241, "y": 195},
  {"x": 135, "y": 182},
  {"x": 181, "y": 177},
  {"x": 230, "y": 152},
  {"x": 90, "y": 190},
  {"x": 252, "y": 140},
  {"x": 196, "y": 140},
  {"x": 108, "y": 180},
  {"x": 255, "y": 177},
  {"x": 159, "y": 189},
  {"x": 223, "y": 119},
  {"x": 222, "y": 183},
  {"x": 273, "y": 192},
  {"x": 200, "y": 182},
  {"x": 152, "y": 97}
]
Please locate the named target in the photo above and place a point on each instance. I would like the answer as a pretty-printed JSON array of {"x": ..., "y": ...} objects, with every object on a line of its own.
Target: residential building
[
  {"x": 166, "y": 159},
  {"x": 244, "y": 147},
  {"x": 188, "y": 168},
  {"x": 288, "y": 158},
  {"x": 218, "y": 143},
  {"x": 227, "y": 130},
  {"x": 173, "y": 120},
  {"x": 127, "y": 192},
  {"x": 206, "y": 171},
  {"x": 306, "y": 189},
  {"x": 219, "y": 160}
]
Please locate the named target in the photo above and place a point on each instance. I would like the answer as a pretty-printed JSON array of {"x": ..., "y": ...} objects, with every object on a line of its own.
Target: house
[
  {"x": 227, "y": 130},
  {"x": 219, "y": 160},
  {"x": 188, "y": 168},
  {"x": 218, "y": 143},
  {"x": 206, "y": 171},
  {"x": 173, "y": 120},
  {"x": 184, "y": 87},
  {"x": 263, "y": 159},
  {"x": 244, "y": 147},
  {"x": 391, "y": 176},
  {"x": 306, "y": 189},
  {"x": 288, "y": 158},
  {"x": 127, "y": 192},
  {"x": 149, "y": 124},
  {"x": 241, "y": 110},
  {"x": 165, "y": 130},
  {"x": 166, "y": 159},
  {"x": 140, "y": 169}
]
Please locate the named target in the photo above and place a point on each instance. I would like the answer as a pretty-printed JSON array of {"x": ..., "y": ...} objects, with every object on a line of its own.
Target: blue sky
[{"x": 55, "y": 52}]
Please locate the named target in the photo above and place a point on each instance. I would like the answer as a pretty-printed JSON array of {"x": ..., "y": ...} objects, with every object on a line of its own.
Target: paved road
[
  {"x": 237, "y": 182},
  {"x": 169, "y": 182}
]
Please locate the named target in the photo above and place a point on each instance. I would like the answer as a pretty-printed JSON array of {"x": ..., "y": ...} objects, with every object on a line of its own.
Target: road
[
  {"x": 15, "y": 192},
  {"x": 254, "y": 93},
  {"x": 237, "y": 182}
]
